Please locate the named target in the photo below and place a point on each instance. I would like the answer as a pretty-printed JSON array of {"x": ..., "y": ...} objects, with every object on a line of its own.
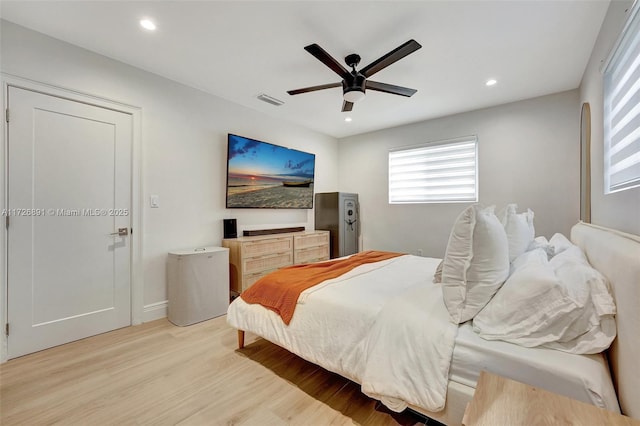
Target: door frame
[{"x": 136, "y": 240}]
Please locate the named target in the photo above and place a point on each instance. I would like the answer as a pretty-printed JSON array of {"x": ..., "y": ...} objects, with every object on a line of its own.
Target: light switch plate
[{"x": 155, "y": 201}]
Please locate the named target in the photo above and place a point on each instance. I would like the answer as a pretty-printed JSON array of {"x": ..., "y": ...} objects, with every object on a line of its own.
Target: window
[
  {"x": 622, "y": 110},
  {"x": 437, "y": 172}
]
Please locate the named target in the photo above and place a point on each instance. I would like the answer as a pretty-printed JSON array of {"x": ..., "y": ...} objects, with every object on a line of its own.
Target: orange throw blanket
[{"x": 279, "y": 291}]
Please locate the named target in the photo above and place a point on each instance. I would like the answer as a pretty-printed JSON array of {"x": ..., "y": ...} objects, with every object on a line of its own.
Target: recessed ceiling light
[
  {"x": 347, "y": 119},
  {"x": 491, "y": 82},
  {"x": 147, "y": 24}
]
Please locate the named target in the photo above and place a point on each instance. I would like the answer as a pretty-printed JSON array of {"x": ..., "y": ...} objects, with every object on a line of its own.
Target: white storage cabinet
[{"x": 197, "y": 284}]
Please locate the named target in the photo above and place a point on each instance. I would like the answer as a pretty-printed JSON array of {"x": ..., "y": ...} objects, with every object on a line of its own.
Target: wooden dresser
[{"x": 250, "y": 258}]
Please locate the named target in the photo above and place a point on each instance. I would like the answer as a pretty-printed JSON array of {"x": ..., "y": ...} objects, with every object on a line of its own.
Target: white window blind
[
  {"x": 622, "y": 110},
  {"x": 438, "y": 172}
]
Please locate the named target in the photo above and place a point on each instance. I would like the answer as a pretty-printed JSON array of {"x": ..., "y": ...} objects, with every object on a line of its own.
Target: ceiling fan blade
[
  {"x": 391, "y": 57},
  {"x": 313, "y": 88},
  {"x": 347, "y": 106},
  {"x": 390, "y": 88},
  {"x": 326, "y": 59}
]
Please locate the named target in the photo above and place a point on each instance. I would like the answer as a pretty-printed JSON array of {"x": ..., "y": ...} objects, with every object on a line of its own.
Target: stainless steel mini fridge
[{"x": 339, "y": 213}]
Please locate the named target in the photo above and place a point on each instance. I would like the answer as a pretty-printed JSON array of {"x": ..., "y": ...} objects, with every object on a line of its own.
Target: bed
[{"x": 329, "y": 329}]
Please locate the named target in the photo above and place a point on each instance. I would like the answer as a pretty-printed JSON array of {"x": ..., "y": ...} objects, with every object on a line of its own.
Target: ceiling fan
[{"x": 354, "y": 83}]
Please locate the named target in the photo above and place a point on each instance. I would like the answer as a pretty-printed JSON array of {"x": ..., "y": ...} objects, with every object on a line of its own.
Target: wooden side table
[{"x": 500, "y": 401}]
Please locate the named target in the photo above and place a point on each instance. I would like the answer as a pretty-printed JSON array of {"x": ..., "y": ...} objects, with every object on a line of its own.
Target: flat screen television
[{"x": 266, "y": 176}]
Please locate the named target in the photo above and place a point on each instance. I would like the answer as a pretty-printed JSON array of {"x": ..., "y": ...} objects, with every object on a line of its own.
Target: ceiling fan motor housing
[{"x": 355, "y": 82}]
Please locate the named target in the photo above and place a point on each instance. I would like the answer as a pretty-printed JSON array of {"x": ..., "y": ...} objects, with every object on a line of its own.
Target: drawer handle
[{"x": 267, "y": 256}]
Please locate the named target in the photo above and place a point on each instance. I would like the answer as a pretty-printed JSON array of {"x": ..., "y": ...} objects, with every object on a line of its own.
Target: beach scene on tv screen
[{"x": 263, "y": 175}]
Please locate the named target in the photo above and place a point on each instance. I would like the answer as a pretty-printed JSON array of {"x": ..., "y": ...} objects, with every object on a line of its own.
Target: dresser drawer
[
  {"x": 310, "y": 240},
  {"x": 254, "y": 265},
  {"x": 249, "y": 280},
  {"x": 266, "y": 246},
  {"x": 312, "y": 254}
]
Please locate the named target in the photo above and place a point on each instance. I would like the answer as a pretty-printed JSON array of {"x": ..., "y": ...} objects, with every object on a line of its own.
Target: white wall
[
  {"x": 620, "y": 210},
  {"x": 184, "y": 143},
  {"x": 528, "y": 154}
]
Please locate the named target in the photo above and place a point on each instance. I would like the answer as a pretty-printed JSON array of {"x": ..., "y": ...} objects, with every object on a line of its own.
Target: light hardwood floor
[{"x": 160, "y": 374}]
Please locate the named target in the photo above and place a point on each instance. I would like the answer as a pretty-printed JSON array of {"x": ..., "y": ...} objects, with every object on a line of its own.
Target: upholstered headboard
[{"x": 617, "y": 256}]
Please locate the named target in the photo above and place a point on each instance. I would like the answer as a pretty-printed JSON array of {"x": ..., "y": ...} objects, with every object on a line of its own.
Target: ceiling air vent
[{"x": 270, "y": 100}]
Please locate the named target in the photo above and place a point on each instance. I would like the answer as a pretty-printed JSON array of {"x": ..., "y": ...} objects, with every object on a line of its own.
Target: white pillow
[
  {"x": 528, "y": 305},
  {"x": 559, "y": 243},
  {"x": 519, "y": 229},
  {"x": 572, "y": 265},
  {"x": 437, "y": 276},
  {"x": 562, "y": 304},
  {"x": 476, "y": 262},
  {"x": 542, "y": 243},
  {"x": 594, "y": 330}
]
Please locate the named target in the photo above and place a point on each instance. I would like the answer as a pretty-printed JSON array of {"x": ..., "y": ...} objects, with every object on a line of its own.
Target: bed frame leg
[{"x": 240, "y": 339}]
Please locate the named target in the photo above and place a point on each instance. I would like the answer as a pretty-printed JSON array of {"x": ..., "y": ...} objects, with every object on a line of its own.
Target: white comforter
[
  {"x": 383, "y": 325},
  {"x": 408, "y": 351}
]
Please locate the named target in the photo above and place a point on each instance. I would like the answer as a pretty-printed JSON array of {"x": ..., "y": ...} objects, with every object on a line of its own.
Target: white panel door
[{"x": 69, "y": 189}]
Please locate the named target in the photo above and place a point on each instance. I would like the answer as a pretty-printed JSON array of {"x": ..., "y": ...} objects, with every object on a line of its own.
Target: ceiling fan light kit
[
  {"x": 353, "y": 88},
  {"x": 354, "y": 82},
  {"x": 353, "y": 95}
]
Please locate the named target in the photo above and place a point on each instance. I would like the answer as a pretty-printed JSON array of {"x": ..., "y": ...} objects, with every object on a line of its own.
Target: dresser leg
[{"x": 240, "y": 339}]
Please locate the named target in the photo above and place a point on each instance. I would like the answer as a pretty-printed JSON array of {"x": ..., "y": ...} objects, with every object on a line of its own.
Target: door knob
[{"x": 122, "y": 232}]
